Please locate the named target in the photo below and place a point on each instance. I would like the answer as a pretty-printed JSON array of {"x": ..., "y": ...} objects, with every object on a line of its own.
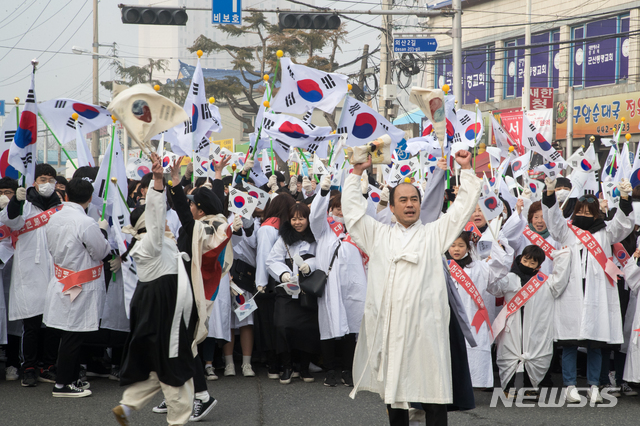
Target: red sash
[
  {"x": 36, "y": 222},
  {"x": 519, "y": 300},
  {"x": 463, "y": 279},
  {"x": 5, "y": 232},
  {"x": 539, "y": 241},
  {"x": 70, "y": 279},
  {"x": 621, "y": 254},
  {"x": 272, "y": 221},
  {"x": 610, "y": 269},
  {"x": 338, "y": 229}
]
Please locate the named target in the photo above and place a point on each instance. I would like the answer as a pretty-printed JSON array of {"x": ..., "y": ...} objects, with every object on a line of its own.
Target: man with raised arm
[{"x": 403, "y": 349}]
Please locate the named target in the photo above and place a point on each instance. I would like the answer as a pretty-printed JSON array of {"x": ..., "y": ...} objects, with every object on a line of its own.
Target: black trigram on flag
[
  {"x": 312, "y": 126},
  {"x": 291, "y": 74},
  {"x": 353, "y": 108},
  {"x": 187, "y": 126},
  {"x": 71, "y": 123},
  {"x": 60, "y": 104},
  {"x": 312, "y": 148},
  {"x": 465, "y": 120},
  {"x": 268, "y": 123},
  {"x": 284, "y": 145},
  {"x": 384, "y": 126},
  {"x": 290, "y": 99},
  {"x": 121, "y": 220},
  {"x": 27, "y": 159},
  {"x": 342, "y": 130},
  {"x": 195, "y": 89},
  {"x": 9, "y": 135},
  {"x": 31, "y": 97},
  {"x": 206, "y": 113},
  {"x": 319, "y": 138},
  {"x": 307, "y": 117},
  {"x": 328, "y": 82}
]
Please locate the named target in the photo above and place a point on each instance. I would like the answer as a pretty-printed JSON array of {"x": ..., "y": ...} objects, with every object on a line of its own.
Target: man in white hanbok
[
  {"x": 403, "y": 350},
  {"x": 76, "y": 291}
]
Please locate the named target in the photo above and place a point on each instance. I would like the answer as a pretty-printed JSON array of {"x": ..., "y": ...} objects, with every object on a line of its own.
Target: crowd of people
[{"x": 414, "y": 297}]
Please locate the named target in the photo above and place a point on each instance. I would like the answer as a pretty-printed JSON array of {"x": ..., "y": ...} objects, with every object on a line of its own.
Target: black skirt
[
  {"x": 296, "y": 327},
  {"x": 147, "y": 347}
]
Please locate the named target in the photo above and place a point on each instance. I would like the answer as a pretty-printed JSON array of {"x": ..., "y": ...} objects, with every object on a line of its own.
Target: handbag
[{"x": 315, "y": 282}]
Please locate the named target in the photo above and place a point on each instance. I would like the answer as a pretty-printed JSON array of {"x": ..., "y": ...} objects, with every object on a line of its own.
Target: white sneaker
[
  {"x": 210, "y": 373},
  {"x": 594, "y": 394},
  {"x": 572, "y": 395},
  {"x": 230, "y": 370},
  {"x": 247, "y": 371},
  {"x": 11, "y": 373}
]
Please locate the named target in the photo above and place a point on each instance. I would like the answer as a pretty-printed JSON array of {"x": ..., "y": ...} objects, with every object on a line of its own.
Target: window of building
[{"x": 477, "y": 71}]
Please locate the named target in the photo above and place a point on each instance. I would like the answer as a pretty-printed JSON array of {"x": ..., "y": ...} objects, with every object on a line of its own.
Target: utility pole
[
  {"x": 456, "y": 36},
  {"x": 95, "y": 138},
  {"x": 385, "y": 55},
  {"x": 363, "y": 65},
  {"x": 527, "y": 61}
]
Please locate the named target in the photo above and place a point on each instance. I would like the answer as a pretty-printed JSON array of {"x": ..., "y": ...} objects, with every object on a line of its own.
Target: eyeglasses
[
  {"x": 44, "y": 179},
  {"x": 8, "y": 192},
  {"x": 586, "y": 199}
]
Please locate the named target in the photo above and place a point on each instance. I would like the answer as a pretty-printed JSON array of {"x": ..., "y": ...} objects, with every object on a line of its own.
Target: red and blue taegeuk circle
[
  {"x": 86, "y": 111},
  {"x": 194, "y": 117},
  {"x": 405, "y": 170},
  {"x": 309, "y": 90},
  {"x": 364, "y": 126},
  {"x": 427, "y": 130},
  {"x": 166, "y": 161},
  {"x": 6, "y": 169},
  {"x": 533, "y": 187},
  {"x": 238, "y": 201},
  {"x": 471, "y": 131},
  {"x": 205, "y": 165},
  {"x": 546, "y": 146},
  {"x": 585, "y": 165},
  {"x": 27, "y": 133},
  {"x": 292, "y": 130},
  {"x": 254, "y": 194},
  {"x": 491, "y": 203},
  {"x": 621, "y": 255},
  {"x": 635, "y": 178},
  {"x": 375, "y": 197},
  {"x": 517, "y": 165},
  {"x": 550, "y": 165},
  {"x": 450, "y": 130},
  {"x": 143, "y": 170}
]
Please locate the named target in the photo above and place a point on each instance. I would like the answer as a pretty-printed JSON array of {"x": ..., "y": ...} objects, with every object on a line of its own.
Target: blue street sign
[
  {"x": 227, "y": 12},
  {"x": 2, "y": 108},
  {"x": 415, "y": 45}
]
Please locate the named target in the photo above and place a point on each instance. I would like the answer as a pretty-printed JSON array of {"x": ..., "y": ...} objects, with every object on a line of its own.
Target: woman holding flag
[{"x": 587, "y": 309}]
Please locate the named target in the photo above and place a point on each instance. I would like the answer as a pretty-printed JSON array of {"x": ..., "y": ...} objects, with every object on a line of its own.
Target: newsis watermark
[{"x": 548, "y": 398}]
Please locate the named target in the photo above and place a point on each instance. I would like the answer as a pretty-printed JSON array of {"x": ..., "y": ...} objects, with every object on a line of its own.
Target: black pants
[
  {"x": 288, "y": 359},
  {"x": 13, "y": 351},
  {"x": 436, "y": 415},
  {"x": 69, "y": 356},
  {"x": 345, "y": 346},
  {"x": 31, "y": 328},
  {"x": 199, "y": 381}
]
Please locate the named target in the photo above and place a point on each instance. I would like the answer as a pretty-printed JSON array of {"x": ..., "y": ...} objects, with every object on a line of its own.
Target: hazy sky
[{"x": 47, "y": 30}]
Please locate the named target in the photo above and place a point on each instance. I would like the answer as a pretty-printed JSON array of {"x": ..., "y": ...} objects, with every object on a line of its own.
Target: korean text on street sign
[
  {"x": 415, "y": 45},
  {"x": 227, "y": 12}
]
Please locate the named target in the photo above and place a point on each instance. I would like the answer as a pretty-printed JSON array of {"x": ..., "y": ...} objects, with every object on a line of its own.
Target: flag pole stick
[
  {"x": 106, "y": 189},
  {"x": 57, "y": 140},
  {"x": 273, "y": 169},
  {"x": 20, "y": 176},
  {"x": 304, "y": 157}
]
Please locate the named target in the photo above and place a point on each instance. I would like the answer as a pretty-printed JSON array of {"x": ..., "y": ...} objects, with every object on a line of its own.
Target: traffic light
[
  {"x": 153, "y": 15},
  {"x": 308, "y": 21}
]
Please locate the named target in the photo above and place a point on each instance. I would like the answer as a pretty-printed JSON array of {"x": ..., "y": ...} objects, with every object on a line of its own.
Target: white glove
[
  {"x": 325, "y": 184},
  {"x": 424, "y": 185},
  {"x": 526, "y": 194},
  {"x": 293, "y": 184},
  {"x": 237, "y": 223},
  {"x": 115, "y": 263},
  {"x": 306, "y": 185},
  {"x": 4, "y": 200},
  {"x": 261, "y": 289},
  {"x": 273, "y": 183},
  {"x": 21, "y": 194},
  {"x": 285, "y": 277},
  {"x": 304, "y": 268},
  {"x": 104, "y": 225},
  {"x": 625, "y": 187},
  {"x": 384, "y": 195},
  {"x": 248, "y": 165},
  {"x": 551, "y": 183},
  {"x": 364, "y": 182}
]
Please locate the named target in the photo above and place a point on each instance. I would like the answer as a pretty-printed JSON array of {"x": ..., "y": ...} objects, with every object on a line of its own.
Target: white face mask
[
  {"x": 562, "y": 195},
  {"x": 337, "y": 218},
  {"x": 46, "y": 189}
]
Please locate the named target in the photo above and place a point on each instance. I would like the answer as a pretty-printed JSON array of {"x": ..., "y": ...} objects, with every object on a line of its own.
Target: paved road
[{"x": 259, "y": 401}]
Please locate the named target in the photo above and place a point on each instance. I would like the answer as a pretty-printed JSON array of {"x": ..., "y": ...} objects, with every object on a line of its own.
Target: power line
[
  {"x": 32, "y": 24},
  {"x": 39, "y": 25}
]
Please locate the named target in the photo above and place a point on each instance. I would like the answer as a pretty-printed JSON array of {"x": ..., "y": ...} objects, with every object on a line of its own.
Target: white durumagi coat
[
  {"x": 32, "y": 266},
  {"x": 530, "y": 339},
  {"x": 341, "y": 307},
  {"x": 75, "y": 243},
  {"x": 267, "y": 237},
  {"x": 595, "y": 313},
  {"x": 483, "y": 272},
  {"x": 403, "y": 348},
  {"x": 632, "y": 363}
]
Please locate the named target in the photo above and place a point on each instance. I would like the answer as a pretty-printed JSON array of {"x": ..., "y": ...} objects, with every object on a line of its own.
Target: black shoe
[
  {"x": 285, "y": 377},
  {"x": 330, "y": 379},
  {"x": 29, "y": 378},
  {"x": 201, "y": 409},
  {"x": 347, "y": 378},
  {"x": 273, "y": 372},
  {"x": 47, "y": 375},
  {"x": 81, "y": 384},
  {"x": 70, "y": 391},
  {"x": 306, "y": 376},
  {"x": 82, "y": 375}
]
